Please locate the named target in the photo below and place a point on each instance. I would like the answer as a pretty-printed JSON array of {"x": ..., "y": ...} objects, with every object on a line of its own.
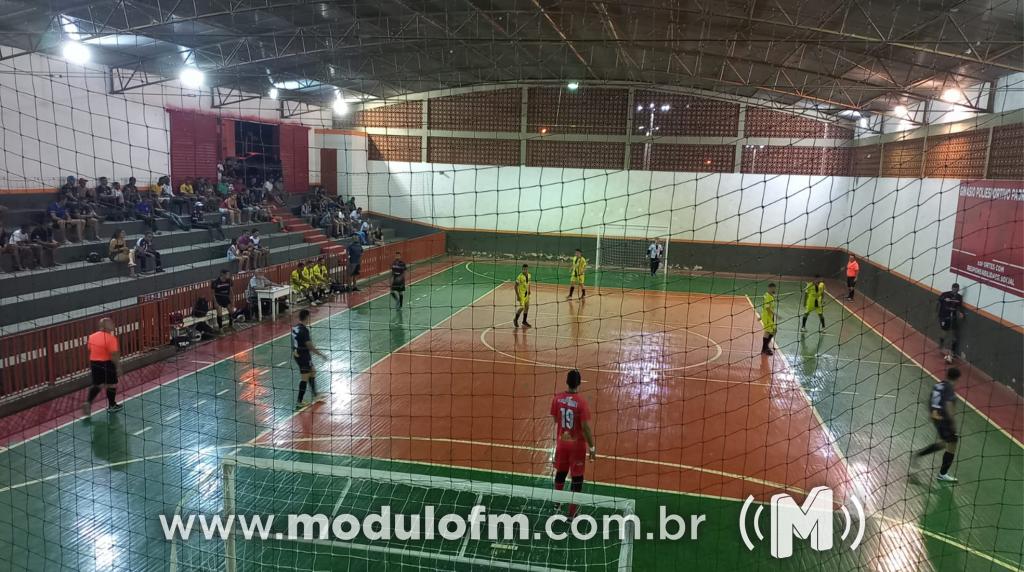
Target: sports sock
[
  {"x": 947, "y": 462},
  {"x": 933, "y": 448},
  {"x": 302, "y": 390},
  {"x": 111, "y": 394}
]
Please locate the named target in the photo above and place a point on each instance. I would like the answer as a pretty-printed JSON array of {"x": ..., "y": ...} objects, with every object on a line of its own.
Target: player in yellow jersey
[
  {"x": 814, "y": 299},
  {"x": 311, "y": 276},
  {"x": 577, "y": 274},
  {"x": 299, "y": 283},
  {"x": 523, "y": 297},
  {"x": 768, "y": 319}
]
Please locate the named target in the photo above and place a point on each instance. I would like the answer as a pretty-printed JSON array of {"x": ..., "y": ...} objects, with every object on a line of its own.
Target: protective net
[{"x": 674, "y": 284}]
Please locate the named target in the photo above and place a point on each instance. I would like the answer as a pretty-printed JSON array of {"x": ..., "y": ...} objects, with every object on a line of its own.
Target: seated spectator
[
  {"x": 260, "y": 253},
  {"x": 84, "y": 211},
  {"x": 357, "y": 215},
  {"x": 377, "y": 235},
  {"x": 42, "y": 237},
  {"x": 199, "y": 221},
  {"x": 69, "y": 190},
  {"x": 186, "y": 195},
  {"x": 229, "y": 211},
  {"x": 235, "y": 254},
  {"x": 29, "y": 255},
  {"x": 85, "y": 194},
  {"x": 364, "y": 233},
  {"x": 146, "y": 255},
  {"x": 244, "y": 204},
  {"x": 119, "y": 251},
  {"x": 300, "y": 284},
  {"x": 61, "y": 219},
  {"x": 131, "y": 193},
  {"x": 145, "y": 212},
  {"x": 174, "y": 217},
  {"x": 222, "y": 189},
  {"x": 337, "y": 224},
  {"x": 165, "y": 196},
  {"x": 7, "y": 248},
  {"x": 326, "y": 222},
  {"x": 306, "y": 212}
]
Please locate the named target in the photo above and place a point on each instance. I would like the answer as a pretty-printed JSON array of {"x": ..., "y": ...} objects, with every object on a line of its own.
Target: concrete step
[{"x": 64, "y": 300}]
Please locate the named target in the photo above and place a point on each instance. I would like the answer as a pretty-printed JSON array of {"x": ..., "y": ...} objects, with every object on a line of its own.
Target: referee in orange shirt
[
  {"x": 104, "y": 361},
  {"x": 852, "y": 270}
]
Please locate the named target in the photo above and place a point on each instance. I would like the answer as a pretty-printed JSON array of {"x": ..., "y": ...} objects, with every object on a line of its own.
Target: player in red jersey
[{"x": 573, "y": 436}]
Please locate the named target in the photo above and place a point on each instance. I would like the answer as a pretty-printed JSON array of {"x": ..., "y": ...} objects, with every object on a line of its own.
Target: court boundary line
[
  {"x": 1013, "y": 567},
  {"x": 927, "y": 371},
  {"x": 124, "y": 399}
]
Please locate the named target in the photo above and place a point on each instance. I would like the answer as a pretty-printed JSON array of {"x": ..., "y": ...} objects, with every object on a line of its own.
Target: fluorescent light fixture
[
  {"x": 850, "y": 113},
  {"x": 76, "y": 52},
  {"x": 951, "y": 95},
  {"x": 900, "y": 110},
  {"x": 340, "y": 106},
  {"x": 274, "y": 93},
  {"x": 639, "y": 108},
  {"x": 573, "y": 85},
  {"x": 191, "y": 77},
  {"x": 666, "y": 107}
]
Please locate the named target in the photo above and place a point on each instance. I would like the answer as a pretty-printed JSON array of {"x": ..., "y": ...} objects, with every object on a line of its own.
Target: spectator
[
  {"x": 235, "y": 254},
  {"x": 85, "y": 194},
  {"x": 118, "y": 251},
  {"x": 357, "y": 215},
  {"x": 29, "y": 255},
  {"x": 166, "y": 197},
  {"x": 146, "y": 254},
  {"x": 61, "y": 219},
  {"x": 245, "y": 205},
  {"x": 42, "y": 237},
  {"x": 131, "y": 193},
  {"x": 175, "y": 218},
  {"x": 144, "y": 211},
  {"x": 364, "y": 232},
  {"x": 306, "y": 212},
  {"x": 223, "y": 189},
  {"x": 377, "y": 235},
  {"x": 199, "y": 221},
  {"x": 229, "y": 211},
  {"x": 69, "y": 190},
  {"x": 262, "y": 253},
  {"x": 84, "y": 211},
  {"x": 245, "y": 246},
  {"x": 337, "y": 226},
  {"x": 7, "y": 248},
  {"x": 326, "y": 222},
  {"x": 186, "y": 193},
  {"x": 355, "y": 258}
]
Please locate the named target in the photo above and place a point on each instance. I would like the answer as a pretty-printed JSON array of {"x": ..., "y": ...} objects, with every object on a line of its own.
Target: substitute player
[
  {"x": 302, "y": 351},
  {"x": 942, "y": 408},
  {"x": 523, "y": 297},
  {"x": 654, "y": 254},
  {"x": 814, "y": 298},
  {"x": 104, "y": 364},
  {"x": 574, "y": 439},
  {"x": 398, "y": 269},
  {"x": 768, "y": 319},
  {"x": 852, "y": 270},
  {"x": 300, "y": 284},
  {"x": 577, "y": 274},
  {"x": 950, "y": 314}
]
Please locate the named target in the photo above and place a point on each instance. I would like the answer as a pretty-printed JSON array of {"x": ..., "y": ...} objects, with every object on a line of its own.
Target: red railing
[{"x": 37, "y": 358}]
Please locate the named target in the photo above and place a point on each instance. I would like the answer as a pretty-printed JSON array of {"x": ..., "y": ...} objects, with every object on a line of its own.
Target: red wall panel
[
  {"x": 593, "y": 111},
  {"x": 761, "y": 122},
  {"x": 684, "y": 158},
  {"x": 194, "y": 145},
  {"x": 393, "y": 148},
  {"x": 467, "y": 151},
  {"x": 499, "y": 110},
  {"x": 295, "y": 157},
  {"x": 329, "y": 170},
  {"x": 227, "y": 138},
  {"x": 405, "y": 115},
  {"x": 573, "y": 154}
]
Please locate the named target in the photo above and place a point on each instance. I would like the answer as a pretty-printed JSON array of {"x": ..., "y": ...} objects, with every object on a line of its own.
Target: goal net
[
  {"x": 633, "y": 247},
  {"x": 331, "y": 516}
]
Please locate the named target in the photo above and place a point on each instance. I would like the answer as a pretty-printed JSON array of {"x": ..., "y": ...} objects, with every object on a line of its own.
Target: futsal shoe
[
  {"x": 527, "y": 324},
  {"x": 515, "y": 324},
  {"x": 115, "y": 408},
  {"x": 947, "y": 478},
  {"x": 949, "y": 358}
]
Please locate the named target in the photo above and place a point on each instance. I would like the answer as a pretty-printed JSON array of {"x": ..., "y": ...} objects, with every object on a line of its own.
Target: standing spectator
[
  {"x": 146, "y": 254},
  {"x": 105, "y": 365},
  {"x": 84, "y": 211},
  {"x": 951, "y": 305},
  {"x": 852, "y": 270},
  {"x": 199, "y": 221},
  {"x": 236, "y": 254},
  {"x": 118, "y": 251},
  {"x": 221, "y": 287},
  {"x": 42, "y": 237},
  {"x": 262, "y": 253},
  {"x": 229, "y": 211},
  {"x": 28, "y": 254},
  {"x": 355, "y": 259},
  {"x": 61, "y": 219},
  {"x": 144, "y": 211}
]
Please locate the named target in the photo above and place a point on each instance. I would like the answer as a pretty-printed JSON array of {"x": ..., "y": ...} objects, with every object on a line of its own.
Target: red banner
[{"x": 988, "y": 243}]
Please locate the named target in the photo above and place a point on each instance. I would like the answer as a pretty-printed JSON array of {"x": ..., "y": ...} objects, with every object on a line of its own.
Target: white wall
[
  {"x": 770, "y": 209},
  {"x": 908, "y": 225},
  {"x": 58, "y": 119}
]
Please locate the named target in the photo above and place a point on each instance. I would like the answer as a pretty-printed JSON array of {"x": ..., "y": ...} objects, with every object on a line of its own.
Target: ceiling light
[
  {"x": 76, "y": 53},
  {"x": 666, "y": 107},
  {"x": 639, "y": 108},
  {"x": 573, "y": 85},
  {"x": 273, "y": 93},
  {"x": 900, "y": 110},
  {"x": 951, "y": 95},
  {"x": 191, "y": 77},
  {"x": 543, "y": 130},
  {"x": 340, "y": 106},
  {"x": 651, "y": 106}
]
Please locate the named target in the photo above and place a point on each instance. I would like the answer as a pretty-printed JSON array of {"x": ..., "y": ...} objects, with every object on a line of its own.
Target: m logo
[{"x": 810, "y": 521}]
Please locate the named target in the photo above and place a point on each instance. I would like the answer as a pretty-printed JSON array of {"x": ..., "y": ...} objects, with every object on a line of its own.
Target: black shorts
[
  {"x": 398, "y": 286},
  {"x": 353, "y": 269},
  {"x": 945, "y": 429},
  {"x": 851, "y": 281},
  {"x": 948, "y": 323},
  {"x": 305, "y": 362},
  {"x": 222, "y": 302},
  {"x": 103, "y": 372}
]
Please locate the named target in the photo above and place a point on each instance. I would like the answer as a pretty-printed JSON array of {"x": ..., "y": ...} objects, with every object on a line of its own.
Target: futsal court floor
[{"x": 446, "y": 404}]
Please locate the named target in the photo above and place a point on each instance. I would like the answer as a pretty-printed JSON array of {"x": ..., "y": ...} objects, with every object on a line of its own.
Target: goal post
[{"x": 624, "y": 247}]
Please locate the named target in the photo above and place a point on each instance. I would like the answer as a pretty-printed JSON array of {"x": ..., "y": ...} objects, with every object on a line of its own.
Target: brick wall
[
  {"x": 1006, "y": 160},
  {"x": 956, "y": 156},
  {"x": 687, "y": 158},
  {"x": 499, "y": 110},
  {"x": 787, "y": 160},
  {"x": 686, "y": 116},
  {"x": 865, "y": 161},
  {"x": 586, "y": 155},
  {"x": 761, "y": 122},
  {"x": 393, "y": 148},
  {"x": 592, "y": 111},
  {"x": 903, "y": 159},
  {"x": 406, "y": 115},
  {"x": 472, "y": 151}
]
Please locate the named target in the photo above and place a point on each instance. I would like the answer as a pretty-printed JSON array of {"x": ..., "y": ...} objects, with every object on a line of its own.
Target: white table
[{"x": 273, "y": 293}]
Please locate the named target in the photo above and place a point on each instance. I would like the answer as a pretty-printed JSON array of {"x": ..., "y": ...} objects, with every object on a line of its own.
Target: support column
[{"x": 740, "y": 130}]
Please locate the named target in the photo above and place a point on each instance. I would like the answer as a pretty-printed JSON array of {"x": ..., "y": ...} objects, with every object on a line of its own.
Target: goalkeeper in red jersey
[{"x": 574, "y": 439}]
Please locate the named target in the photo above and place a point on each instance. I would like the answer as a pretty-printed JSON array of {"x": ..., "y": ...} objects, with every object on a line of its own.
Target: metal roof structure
[{"x": 864, "y": 55}]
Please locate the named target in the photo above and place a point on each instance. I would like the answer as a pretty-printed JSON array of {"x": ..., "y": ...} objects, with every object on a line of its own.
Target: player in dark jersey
[
  {"x": 398, "y": 268},
  {"x": 950, "y": 314},
  {"x": 574, "y": 439},
  {"x": 942, "y": 408},
  {"x": 303, "y": 350},
  {"x": 221, "y": 287}
]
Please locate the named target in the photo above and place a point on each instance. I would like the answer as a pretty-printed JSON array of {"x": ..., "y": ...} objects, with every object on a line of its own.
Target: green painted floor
[{"x": 87, "y": 496}]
